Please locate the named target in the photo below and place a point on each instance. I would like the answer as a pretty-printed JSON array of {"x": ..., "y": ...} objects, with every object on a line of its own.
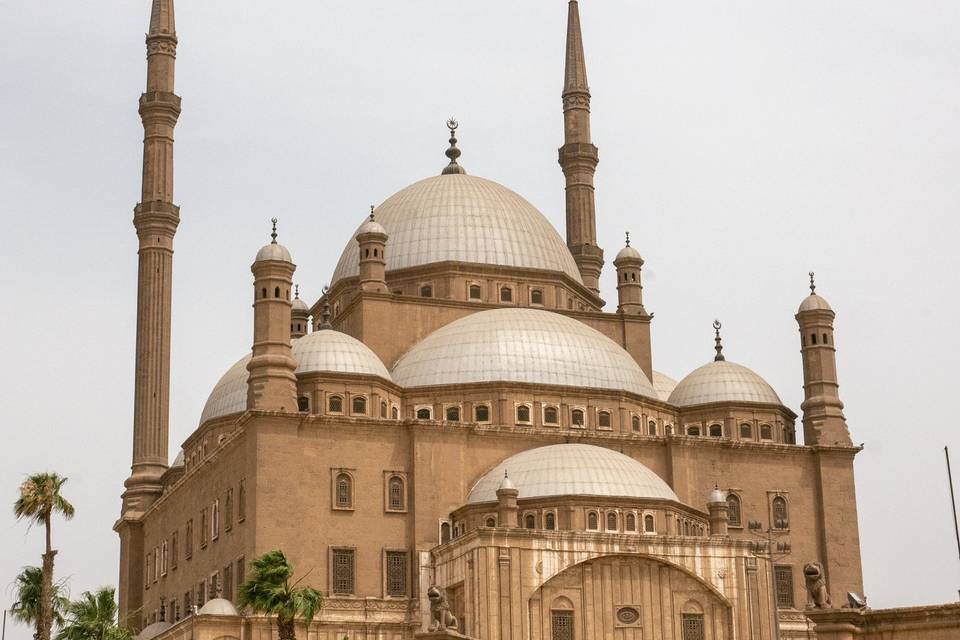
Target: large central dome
[{"x": 465, "y": 219}]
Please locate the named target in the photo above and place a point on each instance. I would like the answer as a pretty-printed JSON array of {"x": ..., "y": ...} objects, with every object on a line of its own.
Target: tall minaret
[
  {"x": 578, "y": 158},
  {"x": 156, "y": 219},
  {"x": 823, "y": 420}
]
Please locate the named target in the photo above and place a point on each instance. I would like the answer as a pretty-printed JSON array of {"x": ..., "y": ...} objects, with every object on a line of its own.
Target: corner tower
[
  {"x": 823, "y": 419},
  {"x": 156, "y": 219},
  {"x": 578, "y": 158}
]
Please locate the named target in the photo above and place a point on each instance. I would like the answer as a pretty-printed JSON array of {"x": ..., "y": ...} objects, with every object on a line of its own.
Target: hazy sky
[{"x": 742, "y": 143}]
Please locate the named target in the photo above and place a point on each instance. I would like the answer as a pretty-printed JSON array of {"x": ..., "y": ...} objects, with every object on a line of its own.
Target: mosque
[{"x": 459, "y": 438}]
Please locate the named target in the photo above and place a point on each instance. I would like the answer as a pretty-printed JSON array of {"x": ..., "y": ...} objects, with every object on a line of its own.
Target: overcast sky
[{"x": 742, "y": 143}]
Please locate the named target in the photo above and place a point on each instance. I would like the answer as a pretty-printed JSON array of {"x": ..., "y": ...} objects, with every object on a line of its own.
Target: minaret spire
[{"x": 578, "y": 158}]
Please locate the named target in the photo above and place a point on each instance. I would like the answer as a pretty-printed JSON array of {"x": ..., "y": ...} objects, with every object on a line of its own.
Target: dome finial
[
  {"x": 813, "y": 284},
  {"x": 325, "y": 314},
  {"x": 453, "y": 153},
  {"x": 296, "y": 291},
  {"x": 274, "y": 233},
  {"x": 719, "y": 342},
  {"x": 628, "y": 238},
  {"x": 371, "y": 212}
]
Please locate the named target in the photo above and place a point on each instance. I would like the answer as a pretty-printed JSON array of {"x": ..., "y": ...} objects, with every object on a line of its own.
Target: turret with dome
[{"x": 459, "y": 410}]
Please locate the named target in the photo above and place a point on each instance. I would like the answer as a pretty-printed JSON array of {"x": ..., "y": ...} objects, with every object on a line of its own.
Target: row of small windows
[
  {"x": 612, "y": 521},
  {"x": 276, "y": 293},
  {"x": 358, "y": 406},
  {"x": 223, "y": 582},
  {"x": 813, "y": 339},
  {"x": 344, "y": 492},
  {"x": 343, "y": 572},
  {"x": 375, "y": 253},
  {"x": 562, "y": 626},
  {"x": 475, "y": 292},
  {"x": 778, "y": 509}
]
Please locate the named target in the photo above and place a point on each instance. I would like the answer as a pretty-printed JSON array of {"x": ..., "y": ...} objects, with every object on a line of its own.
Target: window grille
[
  {"x": 551, "y": 521},
  {"x": 611, "y": 521},
  {"x": 303, "y": 402},
  {"x": 733, "y": 510},
  {"x": 576, "y": 417},
  {"x": 360, "y": 405},
  {"x": 396, "y": 573},
  {"x": 780, "y": 519},
  {"x": 344, "y": 491},
  {"x": 551, "y": 415},
  {"x": 474, "y": 292},
  {"x": 335, "y": 404},
  {"x": 530, "y": 521},
  {"x": 343, "y": 571},
  {"x": 746, "y": 431},
  {"x": 692, "y": 626},
  {"x": 453, "y": 414},
  {"x": 396, "y": 494},
  {"x": 648, "y": 524},
  {"x": 536, "y": 296},
  {"x": 766, "y": 433},
  {"x": 603, "y": 419},
  {"x": 242, "y": 502},
  {"x": 592, "y": 521},
  {"x": 506, "y": 294},
  {"x": 716, "y": 431},
  {"x": 482, "y": 413},
  {"x": 523, "y": 413},
  {"x": 631, "y": 522},
  {"x": 635, "y": 423},
  {"x": 783, "y": 578},
  {"x": 561, "y": 625},
  {"x": 652, "y": 428},
  {"x": 423, "y": 414}
]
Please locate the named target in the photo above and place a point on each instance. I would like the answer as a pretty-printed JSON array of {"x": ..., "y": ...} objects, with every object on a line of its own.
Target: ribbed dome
[
  {"x": 521, "y": 345},
  {"x": 722, "y": 381},
  {"x": 814, "y": 302},
  {"x": 664, "y": 385},
  {"x": 628, "y": 253},
  {"x": 218, "y": 607},
  {"x": 274, "y": 251},
  {"x": 466, "y": 219},
  {"x": 572, "y": 470},
  {"x": 320, "y": 351}
]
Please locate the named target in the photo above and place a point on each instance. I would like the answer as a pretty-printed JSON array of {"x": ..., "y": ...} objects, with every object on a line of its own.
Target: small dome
[
  {"x": 521, "y": 345},
  {"x": 628, "y": 253},
  {"x": 153, "y": 630},
  {"x": 370, "y": 226},
  {"x": 465, "y": 219},
  {"x": 813, "y": 302},
  {"x": 328, "y": 350},
  {"x": 717, "y": 496},
  {"x": 180, "y": 460},
  {"x": 218, "y": 607},
  {"x": 722, "y": 381},
  {"x": 300, "y": 305},
  {"x": 664, "y": 385},
  {"x": 274, "y": 251},
  {"x": 573, "y": 470},
  {"x": 506, "y": 484}
]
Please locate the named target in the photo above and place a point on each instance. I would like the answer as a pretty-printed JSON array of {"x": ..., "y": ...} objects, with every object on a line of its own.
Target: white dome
[
  {"x": 628, "y": 253},
  {"x": 465, "y": 219},
  {"x": 370, "y": 226},
  {"x": 664, "y": 385},
  {"x": 521, "y": 345},
  {"x": 572, "y": 470},
  {"x": 153, "y": 630},
  {"x": 813, "y": 302},
  {"x": 722, "y": 381},
  {"x": 274, "y": 251},
  {"x": 218, "y": 607},
  {"x": 326, "y": 350},
  {"x": 299, "y": 305}
]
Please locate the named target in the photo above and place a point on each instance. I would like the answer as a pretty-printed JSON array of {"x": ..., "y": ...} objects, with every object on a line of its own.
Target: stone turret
[
  {"x": 299, "y": 316},
  {"x": 272, "y": 385},
  {"x": 719, "y": 511},
  {"x": 372, "y": 238},
  {"x": 629, "y": 288},
  {"x": 507, "y": 495}
]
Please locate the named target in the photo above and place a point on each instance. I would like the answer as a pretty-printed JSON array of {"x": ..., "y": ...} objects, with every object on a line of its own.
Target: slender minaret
[
  {"x": 578, "y": 158},
  {"x": 629, "y": 286},
  {"x": 272, "y": 384},
  {"x": 372, "y": 238},
  {"x": 156, "y": 219},
  {"x": 299, "y": 316},
  {"x": 823, "y": 420}
]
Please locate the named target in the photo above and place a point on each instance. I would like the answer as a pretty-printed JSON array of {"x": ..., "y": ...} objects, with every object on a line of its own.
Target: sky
[{"x": 742, "y": 143}]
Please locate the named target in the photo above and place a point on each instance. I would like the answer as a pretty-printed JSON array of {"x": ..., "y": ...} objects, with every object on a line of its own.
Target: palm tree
[
  {"x": 28, "y": 585},
  {"x": 93, "y": 617},
  {"x": 269, "y": 591},
  {"x": 39, "y": 499}
]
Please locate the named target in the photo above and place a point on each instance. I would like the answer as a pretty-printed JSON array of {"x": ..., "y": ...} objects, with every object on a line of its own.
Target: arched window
[
  {"x": 576, "y": 417},
  {"x": 481, "y": 413},
  {"x": 716, "y": 431},
  {"x": 693, "y": 431},
  {"x": 523, "y": 413},
  {"x": 395, "y": 413},
  {"x": 652, "y": 428},
  {"x": 746, "y": 431},
  {"x": 344, "y": 491},
  {"x": 686, "y": 528},
  {"x": 550, "y": 521},
  {"x": 303, "y": 404},
  {"x": 766, "y": 433},
  {"x": 491, "y": 522},
  {"x": 453, "y": 414},
  {"x": 630, "y": 522},
  {"x": 426, "y": 291},
  {"x": 603, "y": 419},
  {"x": 668, "y": 429},
  {"x": 396, "y": 498},
  {"x": 506, "y": 294},
  {"x": 733, "y": 510},
  {"x": 648, "y": 524},
  {"x": 423, "y": 413},
  {"x": 359, "y": 405},
  {"x": 551, "y": 415},
  {"x": 475, "y": 292},
  {"x": 790, "y": 436},
  {"x": 536, "y": 296},
  {"x": 592, "y": 521},
  {"x": 813, "y": 338},
  {"x": 444, "y": 532},
  {"x": 276, "y": 292},
  {"x": 780, "y": 516},
  {"x": 611, "y": 521},
  {"x": 383, "y": 408},
  {"x": 635, "y": 423},
  {"x": 335, "y": 404},
  {"x": 530, "y": 521},
  {"x": 263, "y": 292}
]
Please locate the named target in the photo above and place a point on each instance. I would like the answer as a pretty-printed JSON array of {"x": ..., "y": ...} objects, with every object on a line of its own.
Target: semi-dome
[
  {"x": 722, "y": 381},
  {"x": 572, "y": 470},
  {"x": 218, "y": 607},
  {"x": 521, "y": 345},
  {"x": 466, "y": 219},
  {"x": 320, "y": 351},
  {"x": 664, "y": 385},
  {"x": 813, "y": 302}
]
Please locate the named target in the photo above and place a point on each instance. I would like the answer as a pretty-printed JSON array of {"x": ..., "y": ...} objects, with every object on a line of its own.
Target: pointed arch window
[
  {"x": 550, "y": 521},
  {"x": 335, "y": 404},
  {"x": 635, "y": 423},
  {"x": 481, "y": 413},
  {"x": 630, "y": 522},
  {"x": 396, "y": 494},
  {"x": 359, "y": 406},
  {"x": 781, "y": 518},
  {"x": 733, "y": 510},
  {"x": 593, "y": 521},
  {"x": 530, "y": 521},
  {"x": 603, "y": 419},
  {"x": 551, "y": 415},
  {"x": 536, "y": 296},
  {"x": 611, "y": 521},
  {"x": 576, "y": 417},
  {"x": 506, "y": 294},
  {"x": 453, "y": 414},
  {"x": 716, "y": 431},
  {"x": 766, "y": 432},
  {"x": 475, "y": 292},
  {"x": 649, "y": 526},
  {"x": 343, "y": 491}
]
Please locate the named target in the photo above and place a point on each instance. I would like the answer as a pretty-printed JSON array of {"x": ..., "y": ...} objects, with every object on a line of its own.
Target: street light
[{"x": 765, "y": 549}]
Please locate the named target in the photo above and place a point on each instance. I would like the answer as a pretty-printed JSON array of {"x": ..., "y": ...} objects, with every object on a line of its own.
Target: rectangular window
[
  {"x": 156, "y": 563},
  {"x": 188, "y": 540},
  {"x": 561, "y": 625},
  {"x": 215, "y": 520},
  {"x": 204, "y": 531},
  {"x": 215, "y": 585},
  {"x": 164, "y": 558},
  {"x": 228, "y": 583},
  {"x": 692, "y": 626},
  {"x": 229, "y": 510},
  {"x": 201, "y": 593},
  {"x": 241, "y": 571},
  {"x": 242, "y": 502},
  {"x": 783, "y": 577},
  {"x": 343, "y": 572},
  {"x": 188, "y": 602},
  {"x": 174, "y": 548},
  {"x": 146, "y": 571},
  {"x": 396, "y": 562}
]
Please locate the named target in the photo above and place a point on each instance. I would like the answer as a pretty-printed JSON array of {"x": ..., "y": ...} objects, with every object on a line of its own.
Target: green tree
[
  {"x": 93, "y": 617},
  {"x": 26, "y": 609},
  {"x": 39, "y": 499},
  {"x": 269, "y": 591}
]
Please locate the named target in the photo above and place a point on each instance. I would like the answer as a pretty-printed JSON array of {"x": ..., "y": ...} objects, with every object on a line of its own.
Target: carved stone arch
[
  {"x": 692, "y": 606},
  {"x": 562, "y": 602}
]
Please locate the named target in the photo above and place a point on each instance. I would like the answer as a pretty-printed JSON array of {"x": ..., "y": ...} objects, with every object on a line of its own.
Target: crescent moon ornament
[{"x": 452, "y": 124}]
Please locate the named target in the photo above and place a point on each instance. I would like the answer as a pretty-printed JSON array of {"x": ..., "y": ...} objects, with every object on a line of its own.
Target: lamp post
[{"x": 764, "y": 550}]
